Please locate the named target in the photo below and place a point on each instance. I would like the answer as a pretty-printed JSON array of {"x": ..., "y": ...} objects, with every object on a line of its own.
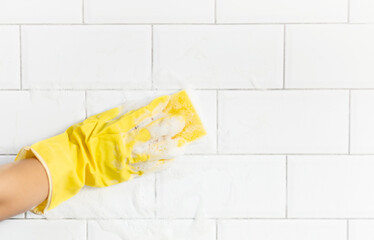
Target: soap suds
[
  {"x": 197, "y": 229},
  {"x": 161, "y": 146},
  {"x": 160, "y": 229}
]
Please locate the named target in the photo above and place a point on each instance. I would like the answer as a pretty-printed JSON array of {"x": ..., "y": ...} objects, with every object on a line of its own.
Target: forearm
[{"x": 23, "y": 185}]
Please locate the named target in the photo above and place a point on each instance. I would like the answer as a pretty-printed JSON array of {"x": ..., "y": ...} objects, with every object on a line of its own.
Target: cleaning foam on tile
[{"x": 156, "y": 229}]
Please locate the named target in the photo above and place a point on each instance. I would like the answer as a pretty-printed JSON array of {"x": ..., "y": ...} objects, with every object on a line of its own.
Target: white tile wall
[
  {"x": 330, "y": 186},
  {"x": 286, "y": 11},
  {"x": 329, "y": 56},
  {"x": 9, "y": 57},
  {"x": 40, "y": 11},
  {"x": 284, "y": 88},
  {"x": 218, "y": 56},
  {"x": 283, "y": 121},
  {"x": 149, "y": 11},
  {"x": 43, "y": 230},
  {"x": 77, "y": 57},
  {"x": 223, "y": 187},
  {"x": 361, "y": 229},
  {"x": 152, "y": 229},
  {"x": 361, "y": 11},
  {"x": 282, "y": 229},
  {"x": 362, "y": 122}
]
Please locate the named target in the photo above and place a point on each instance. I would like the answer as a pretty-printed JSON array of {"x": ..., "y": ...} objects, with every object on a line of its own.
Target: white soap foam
[
  {"x": 160, "y": 229},
  {"x": 161, "y": 146}
]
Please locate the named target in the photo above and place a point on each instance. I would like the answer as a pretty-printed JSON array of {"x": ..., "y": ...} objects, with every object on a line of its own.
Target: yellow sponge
[{"x": 180, "y": 104}]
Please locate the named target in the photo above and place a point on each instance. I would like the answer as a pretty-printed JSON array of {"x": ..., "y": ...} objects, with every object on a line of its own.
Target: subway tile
[
  {"x": 5, "y": 160},
  {"x": 362, "y": 122},
  {"x": 40, "y": 11},
  {"x": 361, "y": 11},
  {"x": 32, "y": 116},
  {"x": 329, "y": 56},
  {"x": 42, "y": 229},
  {"x": 283, "y": 121},
  {"x": 282, "y": 229},
  {"x": 148, "y": 11},
  {"x": 330, "y": 186},
  {"x": 361, "y": 229},
  {"x": 131, "y": 199},
  {"x": 218, "y": 56},
  {"x": 9, "y": 57},
  {"x": 200, "y": 229},
  {"x": 204, "y": 102},
  {"x": 86, "y": 57},
  {"x": 285, "y": 11},
  {"x": 222, "y": 187}
]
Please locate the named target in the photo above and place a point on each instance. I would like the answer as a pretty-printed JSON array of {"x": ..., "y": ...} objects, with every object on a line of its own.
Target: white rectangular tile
[
  {"x": 204, "y": 102},
  {"x": 362, "y": 122},
  {"x": 148, "y": 11},
  {"x": 40, "y": 11},
  {"x": 222, "y": 187},
  {"x": 9, "y": 57},
  {"x": 131, "y": 199},
  {"x": 200, "y": 229},
  {"x": 43, "y": 230},
  {"x": 361, "y": 229},
  {"x": 5, "y": 160},
  {"x": 329, "y": 56},
  {"x": 31, "y": 116},
  {"x": 218, "y": 56},
  {"x": 330, "y": 186},
  {"x": 283, "y": 121},
  {"x": 86, "y": 57},
  {"x": 282, "y": 229},
  {"x": 361, "y": 11},
  {"x": 285, "y": 11}
]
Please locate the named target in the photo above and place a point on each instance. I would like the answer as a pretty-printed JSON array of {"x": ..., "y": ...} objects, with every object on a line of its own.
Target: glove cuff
[
  {"x": 64, "y": 165},
  {"x": 29, "y": 152}
]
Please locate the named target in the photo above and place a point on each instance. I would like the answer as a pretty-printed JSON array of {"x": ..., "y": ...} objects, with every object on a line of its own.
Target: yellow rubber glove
[{"x": 114, "y": 146}]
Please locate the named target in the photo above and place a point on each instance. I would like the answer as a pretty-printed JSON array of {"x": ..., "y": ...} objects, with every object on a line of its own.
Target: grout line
[
  {"x": 20, "y": 56},
  {"x": 286, "y": 213},
  {"x": 284, "y": 56},
  {"x": 86, "y": 229},
  {"x": 152, "y": 54},
  {"x": 216, "y": 229},
  {"x": 348, "y": 11},
  {"x": 349, "y": 123},
  {"x": 186, "y": 23},
  {"x": 278, "y": 154},
  {"x": 215, "y": 11},
  {"x": 197, "y": 89},
  {"x": 83, "y": 11},
  {"x": 217, "y": 119},
  {"x": 347, "y": 229}
]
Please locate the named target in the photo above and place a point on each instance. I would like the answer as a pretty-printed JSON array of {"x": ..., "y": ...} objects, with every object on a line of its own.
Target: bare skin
[{"x": 23, "y": 185}]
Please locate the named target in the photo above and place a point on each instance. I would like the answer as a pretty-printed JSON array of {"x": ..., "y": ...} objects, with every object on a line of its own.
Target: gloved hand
[{"x": 114, "y": 146}]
